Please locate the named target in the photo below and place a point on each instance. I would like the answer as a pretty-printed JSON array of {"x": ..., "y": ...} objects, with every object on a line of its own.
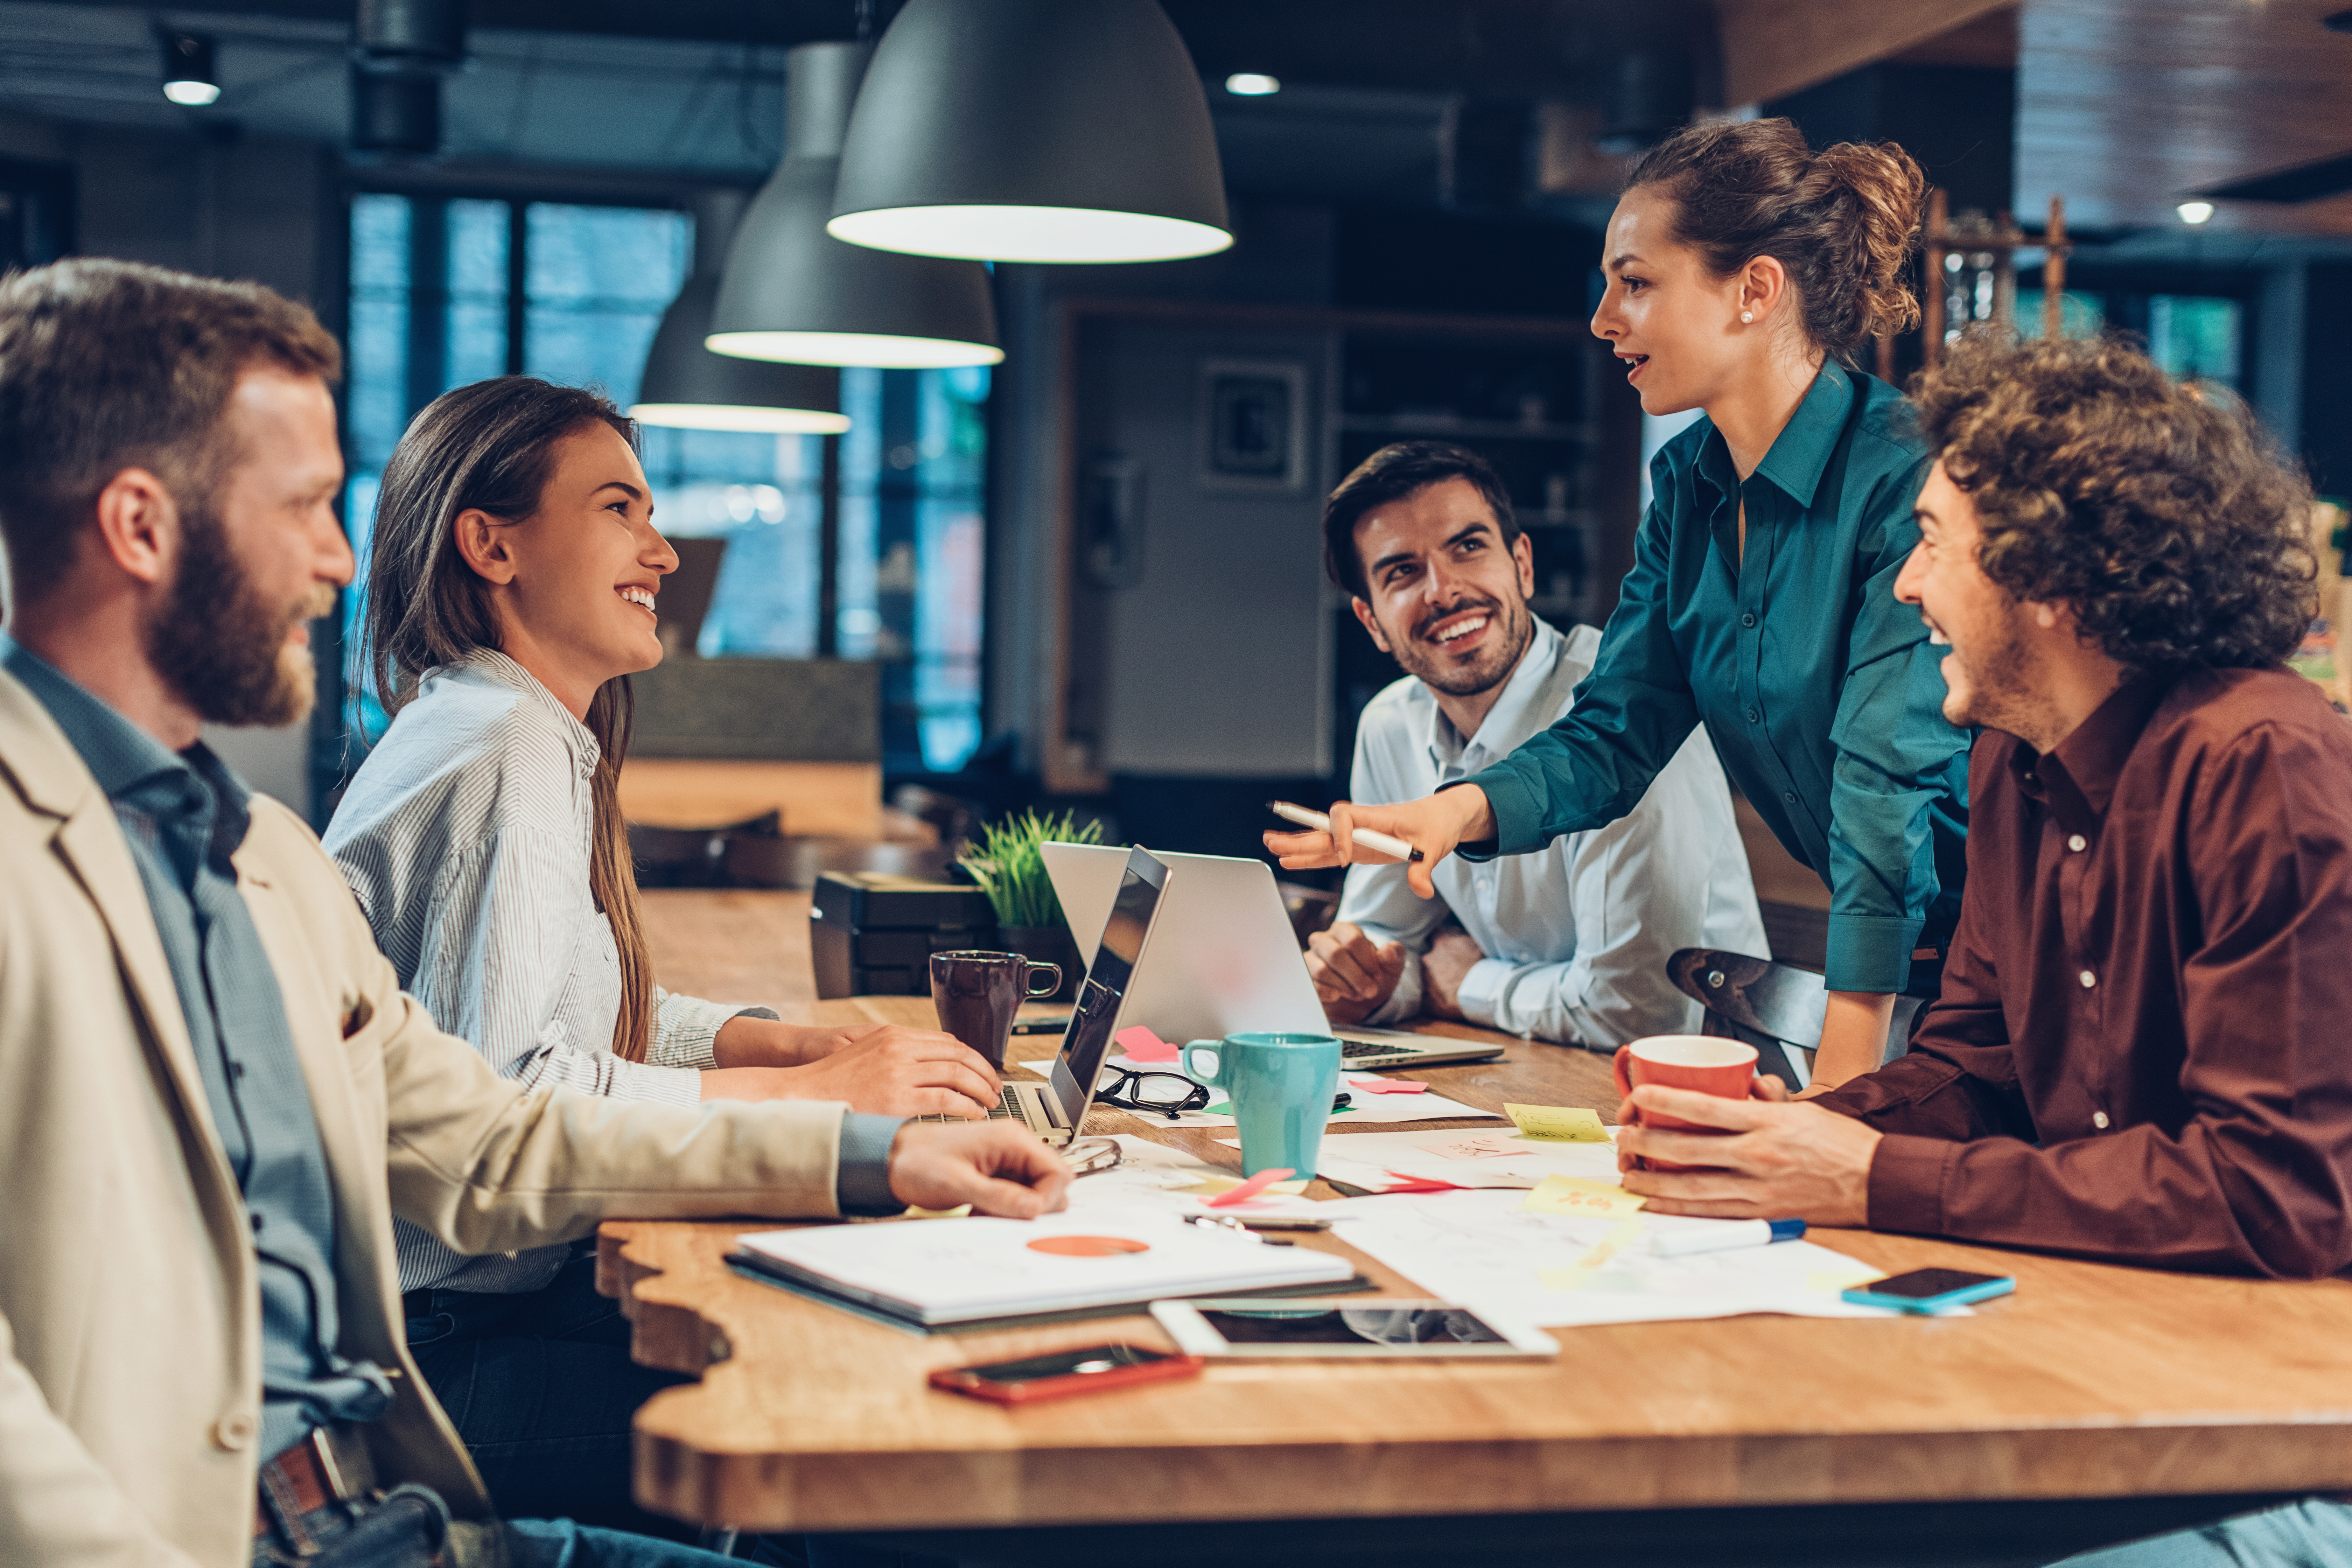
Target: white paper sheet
[
  {"x": 1156, "y": 1176},
  {"x": 1480, "y": 1248},
  {"x": 1374, "y": 1160}
]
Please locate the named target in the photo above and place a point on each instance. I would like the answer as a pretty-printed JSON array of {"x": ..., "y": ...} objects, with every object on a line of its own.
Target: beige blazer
[{"x": 130, "y": 1339}]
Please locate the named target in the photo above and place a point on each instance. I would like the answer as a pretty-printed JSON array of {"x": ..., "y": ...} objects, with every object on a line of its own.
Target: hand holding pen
[{"x": 1427, "y": 831}]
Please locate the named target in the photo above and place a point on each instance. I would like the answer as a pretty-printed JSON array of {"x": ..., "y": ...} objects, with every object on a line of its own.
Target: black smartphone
[{"x": 1929, "y": 1289}]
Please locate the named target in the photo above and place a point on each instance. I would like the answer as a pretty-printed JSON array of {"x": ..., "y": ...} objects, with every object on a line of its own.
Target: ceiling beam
[{"x": 1772, "y": 48}]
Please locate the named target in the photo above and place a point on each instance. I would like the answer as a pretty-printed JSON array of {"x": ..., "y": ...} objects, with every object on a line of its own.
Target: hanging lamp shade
[
  {"x": 795, "y": 293},
  {"x": 688, "y": 386},
  {"x": 1033, "y": 131}
]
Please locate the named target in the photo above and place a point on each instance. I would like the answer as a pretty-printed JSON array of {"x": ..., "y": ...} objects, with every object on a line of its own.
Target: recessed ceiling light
[
  {"x": 2195, "y": 212},
  {"x": 1253, "y": 84},
  {"x": 188, "y": 70}
]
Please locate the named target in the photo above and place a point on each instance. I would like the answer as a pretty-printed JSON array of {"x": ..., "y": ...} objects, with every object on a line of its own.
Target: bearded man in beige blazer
[{"x": 213, "y": 1096}]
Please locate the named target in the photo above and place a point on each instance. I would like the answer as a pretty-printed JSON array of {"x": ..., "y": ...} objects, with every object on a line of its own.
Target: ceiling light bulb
[
  {"x": 188, "y": 77},
  {"x": 1253, "y": 84},
  {"x": 739, "y": 417},
  {"x": 2195, "y": 212},
  {"x": 877, "y": 351},
  {"x": 983, "y": 232}
]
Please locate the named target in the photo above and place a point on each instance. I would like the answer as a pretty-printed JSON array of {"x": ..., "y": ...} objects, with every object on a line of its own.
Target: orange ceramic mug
[{"x": 1700, "y": 1063}]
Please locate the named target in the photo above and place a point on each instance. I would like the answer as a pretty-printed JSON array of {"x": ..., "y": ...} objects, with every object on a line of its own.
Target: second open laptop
[
  {"x": 1222, "y": 956},
  {"x": 1122, "y": 924}
]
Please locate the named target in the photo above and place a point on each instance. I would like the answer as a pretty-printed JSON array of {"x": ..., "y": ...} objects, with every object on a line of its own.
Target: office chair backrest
[{"x": 1767, "y": 1003}]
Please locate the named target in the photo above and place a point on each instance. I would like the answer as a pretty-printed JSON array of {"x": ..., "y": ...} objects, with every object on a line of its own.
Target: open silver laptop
[
  {"x": 1125, "y": 921},
  {"x": 1222, "y": 956}
]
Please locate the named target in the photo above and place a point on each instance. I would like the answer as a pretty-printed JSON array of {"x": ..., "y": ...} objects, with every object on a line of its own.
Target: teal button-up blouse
[{"x": 1819, "y": 688}]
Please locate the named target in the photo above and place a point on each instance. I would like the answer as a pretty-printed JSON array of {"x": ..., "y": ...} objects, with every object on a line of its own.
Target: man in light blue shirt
[{"x": 1570, "y": 943}]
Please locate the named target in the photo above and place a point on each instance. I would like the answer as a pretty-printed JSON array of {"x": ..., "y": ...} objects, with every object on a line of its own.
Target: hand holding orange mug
[{"x": 1701, "y": 1063}]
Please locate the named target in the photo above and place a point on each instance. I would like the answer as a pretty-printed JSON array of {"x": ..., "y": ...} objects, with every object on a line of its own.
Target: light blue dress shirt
[{"x": 1576, "y": 934}]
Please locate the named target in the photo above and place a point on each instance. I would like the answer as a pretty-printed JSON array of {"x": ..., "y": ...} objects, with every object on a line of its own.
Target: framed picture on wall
[{"x": 1252, "y": 419}]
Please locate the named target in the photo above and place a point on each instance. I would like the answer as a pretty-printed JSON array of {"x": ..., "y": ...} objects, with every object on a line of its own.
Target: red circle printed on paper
[{"x": 1087, "y": 1246}]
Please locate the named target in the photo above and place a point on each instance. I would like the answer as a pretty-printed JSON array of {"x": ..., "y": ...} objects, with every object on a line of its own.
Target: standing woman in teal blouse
[{"x": 1743, "y": 270}]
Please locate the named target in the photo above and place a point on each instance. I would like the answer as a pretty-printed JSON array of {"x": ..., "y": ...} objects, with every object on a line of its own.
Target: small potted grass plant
[{"x": 1007, "y": 865}]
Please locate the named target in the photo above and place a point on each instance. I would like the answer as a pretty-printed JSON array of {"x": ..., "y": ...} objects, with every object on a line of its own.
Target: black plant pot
[{"x": 1046, "y": 944}]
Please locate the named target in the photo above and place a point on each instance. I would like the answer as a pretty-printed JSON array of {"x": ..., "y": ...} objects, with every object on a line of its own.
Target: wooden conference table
[{"x": 2096, "y": 1404}]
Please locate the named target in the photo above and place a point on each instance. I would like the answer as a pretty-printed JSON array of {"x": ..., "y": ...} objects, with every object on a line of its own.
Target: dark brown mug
[{"x": 977, "y": 994}]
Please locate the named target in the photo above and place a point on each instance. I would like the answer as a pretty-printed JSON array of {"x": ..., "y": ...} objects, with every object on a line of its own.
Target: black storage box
[{"x": 872, "y": 933}]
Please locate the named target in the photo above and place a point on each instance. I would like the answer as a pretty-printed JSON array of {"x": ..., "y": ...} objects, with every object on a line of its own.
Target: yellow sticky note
[
  {"x": 1581, "y": 1195},
  {"x": 1558, "y": 1124}
]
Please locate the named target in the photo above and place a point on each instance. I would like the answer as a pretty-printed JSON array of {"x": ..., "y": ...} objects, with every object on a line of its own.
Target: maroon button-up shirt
[{"x": 2143, "y": 1050}]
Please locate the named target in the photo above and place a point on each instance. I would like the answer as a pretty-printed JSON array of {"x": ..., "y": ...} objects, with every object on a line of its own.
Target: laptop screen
[{"x": 1099, "y": 994}]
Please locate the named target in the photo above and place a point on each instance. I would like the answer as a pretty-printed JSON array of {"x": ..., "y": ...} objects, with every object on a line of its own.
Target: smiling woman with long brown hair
[{"x": 514, "y": 576}]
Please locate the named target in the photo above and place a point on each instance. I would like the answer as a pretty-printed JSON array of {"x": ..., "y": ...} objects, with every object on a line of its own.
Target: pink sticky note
[
  {"x": 1142, "y": 1046},
  {"x": 1250, "y": 1188},
  {"x": 1405, "y": 1183},
  {"x": 1387, "y": 1084}
]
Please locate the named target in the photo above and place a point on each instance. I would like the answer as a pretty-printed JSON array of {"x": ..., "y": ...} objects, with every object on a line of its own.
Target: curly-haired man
[{"x": 2134, "y": 1057}]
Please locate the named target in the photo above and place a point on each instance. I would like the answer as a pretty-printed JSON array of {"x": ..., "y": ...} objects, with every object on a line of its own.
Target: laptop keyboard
[{"x": 1354, "y": 1050}]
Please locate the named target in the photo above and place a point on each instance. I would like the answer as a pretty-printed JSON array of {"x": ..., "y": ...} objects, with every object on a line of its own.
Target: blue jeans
[
  {"x": 411, "y": 1528},
  {"x": 541, "y": 1388},
  {"x": 2311, "y": 1533}
]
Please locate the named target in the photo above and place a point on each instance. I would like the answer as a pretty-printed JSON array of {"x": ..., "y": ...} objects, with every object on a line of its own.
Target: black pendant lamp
[
  {"x": 795, "y": 293},
  {"x": 688, "y": 386},
  {"x": 1033, "y": 131}
]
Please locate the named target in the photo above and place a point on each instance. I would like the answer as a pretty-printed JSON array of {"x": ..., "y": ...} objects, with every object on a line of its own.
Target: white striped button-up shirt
[
  {"x": 1576, "y": 935},
  {"x": 466, "y": 836}
]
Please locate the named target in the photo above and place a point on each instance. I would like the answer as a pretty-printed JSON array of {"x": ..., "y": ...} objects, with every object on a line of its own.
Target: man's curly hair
[{"x": 2159, "y": 511}]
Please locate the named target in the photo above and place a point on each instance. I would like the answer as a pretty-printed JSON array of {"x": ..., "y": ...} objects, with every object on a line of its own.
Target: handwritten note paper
[
  {"x": 1581, "y": 1196},
  {"x": 1582, "y": 1276},
  {"x": 1473, "y": 1146},
  {"x": 1558, "y": 1124}
]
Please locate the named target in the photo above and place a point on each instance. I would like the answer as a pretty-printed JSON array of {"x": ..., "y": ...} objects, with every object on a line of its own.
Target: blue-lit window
[
  {"x": 2196, "y": 337},
  {"x": 435, "y": 305}
]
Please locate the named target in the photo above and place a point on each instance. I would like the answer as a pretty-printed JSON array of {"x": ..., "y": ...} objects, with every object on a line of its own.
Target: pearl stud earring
[{"x": 1747, "y": 315}]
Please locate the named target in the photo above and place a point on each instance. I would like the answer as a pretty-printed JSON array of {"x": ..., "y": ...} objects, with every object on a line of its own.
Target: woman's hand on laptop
[
  {"x": 1433, "y": 824},
  {"x": 1001, "y": 1168},
  {"x": 887, "y": 1070}
]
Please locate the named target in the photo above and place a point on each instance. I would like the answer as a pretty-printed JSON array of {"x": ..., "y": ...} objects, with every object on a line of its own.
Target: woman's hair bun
[{"x": 1842, "y": 221}]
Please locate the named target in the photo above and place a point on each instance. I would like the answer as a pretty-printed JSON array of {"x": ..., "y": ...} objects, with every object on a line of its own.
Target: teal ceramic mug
[{"x": 1281, "y": 1088}]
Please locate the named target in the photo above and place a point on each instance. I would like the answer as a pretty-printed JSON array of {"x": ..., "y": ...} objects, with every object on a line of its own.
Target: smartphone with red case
[{"x": 1093, "y": 1370}]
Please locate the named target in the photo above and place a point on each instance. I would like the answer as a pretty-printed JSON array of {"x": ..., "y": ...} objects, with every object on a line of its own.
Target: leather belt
[{"x": 327, "y": 1466}]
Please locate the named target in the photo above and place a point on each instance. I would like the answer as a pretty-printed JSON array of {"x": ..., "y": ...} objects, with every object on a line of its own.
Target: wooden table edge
[{"x": 1400, "y": 1476}]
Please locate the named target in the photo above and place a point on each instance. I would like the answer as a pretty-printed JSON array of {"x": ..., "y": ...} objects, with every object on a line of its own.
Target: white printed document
[
  {"x": 1485, "y": 1249},
  {"x": 962, "y": 1271}
]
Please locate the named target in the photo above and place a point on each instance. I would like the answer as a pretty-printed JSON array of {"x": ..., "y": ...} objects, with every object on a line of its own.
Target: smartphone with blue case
[{"x": 1929, "y": 1289}]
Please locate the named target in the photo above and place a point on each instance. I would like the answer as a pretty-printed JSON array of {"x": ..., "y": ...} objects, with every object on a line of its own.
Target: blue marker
[{"x": 1726, "y": 1236}]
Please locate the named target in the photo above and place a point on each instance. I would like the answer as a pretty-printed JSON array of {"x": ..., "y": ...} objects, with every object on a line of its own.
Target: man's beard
[
  {"x": 2004, "y": 689},
  {"x": 222, "y": 646},
  {"x": 1516, "y": 626}
]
